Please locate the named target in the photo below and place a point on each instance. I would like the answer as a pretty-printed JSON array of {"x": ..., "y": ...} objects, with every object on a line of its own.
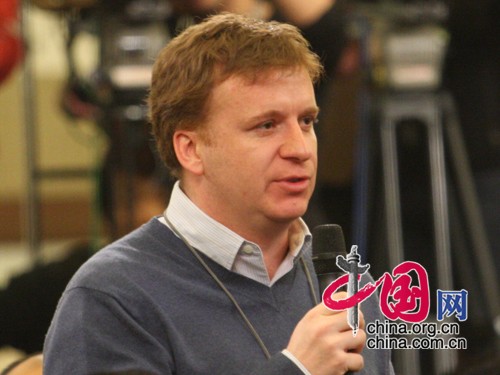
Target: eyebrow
[
  {"x": 272, "y": 113},
  {"x": 316, "y": 110}
]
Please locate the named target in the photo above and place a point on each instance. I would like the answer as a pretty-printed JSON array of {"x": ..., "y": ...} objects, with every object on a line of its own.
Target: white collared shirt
[{"x": 226, "y": 247}]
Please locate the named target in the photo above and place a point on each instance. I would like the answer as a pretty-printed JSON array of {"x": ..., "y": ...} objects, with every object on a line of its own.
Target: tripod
[{"x": 447, "y": 156}]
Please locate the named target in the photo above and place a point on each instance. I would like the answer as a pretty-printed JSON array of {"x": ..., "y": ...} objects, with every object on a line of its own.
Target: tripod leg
[
  {"x": 473, "y": 217},
  {"x": 409, "y": 359},
  {"x": 445, "y": 361}
]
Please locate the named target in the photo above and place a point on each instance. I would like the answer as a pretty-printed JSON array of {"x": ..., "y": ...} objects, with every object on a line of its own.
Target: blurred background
[{"x": 409, "y": 146}]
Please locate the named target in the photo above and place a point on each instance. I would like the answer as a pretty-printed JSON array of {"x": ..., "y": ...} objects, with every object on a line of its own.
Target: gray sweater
[{"x": 145, "y": 303}]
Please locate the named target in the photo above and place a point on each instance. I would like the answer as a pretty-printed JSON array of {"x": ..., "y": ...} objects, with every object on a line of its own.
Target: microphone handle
[{"x": 325, "y": 279}]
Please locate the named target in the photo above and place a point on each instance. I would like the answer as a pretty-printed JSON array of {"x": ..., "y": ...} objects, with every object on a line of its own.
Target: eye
[
  {"x": 268, "y": 125},
  {"x": 309, "y": 121}
]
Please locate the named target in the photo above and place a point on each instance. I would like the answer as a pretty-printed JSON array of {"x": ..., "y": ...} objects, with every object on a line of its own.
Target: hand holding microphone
[{"x": 323, "y": 341}]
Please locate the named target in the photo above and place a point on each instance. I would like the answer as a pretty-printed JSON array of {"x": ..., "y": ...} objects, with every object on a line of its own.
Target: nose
[{"x": 298, "y": 144}]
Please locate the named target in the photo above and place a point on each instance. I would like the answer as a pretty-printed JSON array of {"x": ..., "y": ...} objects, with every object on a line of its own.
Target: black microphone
[{"x": 328, "y": 242}]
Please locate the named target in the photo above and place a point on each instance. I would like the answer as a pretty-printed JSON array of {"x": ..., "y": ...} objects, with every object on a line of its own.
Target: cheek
[
  {"x": 313, "y": 144},
  {"x": 314, "y": 151},
  {"x": 240, "y": 164},
  {"x": 230, "y": 166},
  {"x": 249, "y": 159}
]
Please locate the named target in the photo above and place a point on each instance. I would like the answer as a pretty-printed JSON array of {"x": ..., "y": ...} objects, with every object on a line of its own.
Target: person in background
[
  {"x": 28, "y": 301},
  {"x": 222, "y": 282}
]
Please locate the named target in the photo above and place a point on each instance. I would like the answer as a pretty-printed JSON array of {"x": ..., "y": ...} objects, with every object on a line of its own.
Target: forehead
[
  {"x": 269, "y": 89},
  {"x": 260, "y": 77},
  {"x": 251, "y": 75}
]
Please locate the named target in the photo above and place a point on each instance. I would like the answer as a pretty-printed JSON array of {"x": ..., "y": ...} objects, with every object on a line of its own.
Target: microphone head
[{"x": 328, "y": 242}]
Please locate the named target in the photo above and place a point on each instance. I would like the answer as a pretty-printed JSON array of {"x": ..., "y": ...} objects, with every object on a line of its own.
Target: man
[{"x": 223, "y": 282}]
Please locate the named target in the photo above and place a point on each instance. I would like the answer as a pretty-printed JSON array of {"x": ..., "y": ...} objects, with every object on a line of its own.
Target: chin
[{"x": 290, "y": 213}]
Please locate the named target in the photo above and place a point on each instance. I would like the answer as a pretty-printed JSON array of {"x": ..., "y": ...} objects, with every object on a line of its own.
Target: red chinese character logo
[{"x": 404, "y": 294}]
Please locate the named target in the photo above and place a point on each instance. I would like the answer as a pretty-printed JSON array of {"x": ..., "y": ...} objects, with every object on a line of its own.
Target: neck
[
  {"x": 273, "y": 240},
  {"x": 271, "y": 236},
  {"x": 274, "y": 254}
]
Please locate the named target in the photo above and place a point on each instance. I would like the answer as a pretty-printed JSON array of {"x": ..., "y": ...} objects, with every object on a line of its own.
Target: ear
[{"x": 186, "y": 150}]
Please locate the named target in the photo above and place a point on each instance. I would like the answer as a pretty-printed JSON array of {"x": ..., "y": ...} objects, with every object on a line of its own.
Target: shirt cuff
[{"x": 297, "y": 363}]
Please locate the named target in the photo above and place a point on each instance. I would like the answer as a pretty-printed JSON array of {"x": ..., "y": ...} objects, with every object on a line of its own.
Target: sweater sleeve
[
  {"x": 94, "y": 333},
  {"x": 277, "y": 365}
]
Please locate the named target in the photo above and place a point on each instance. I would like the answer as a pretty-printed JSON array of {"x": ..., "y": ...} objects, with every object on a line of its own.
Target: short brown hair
[{"x": 191, "y": 64}]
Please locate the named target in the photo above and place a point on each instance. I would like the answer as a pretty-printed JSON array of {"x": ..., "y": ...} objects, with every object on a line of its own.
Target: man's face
[{"x": 259, "y": 163}]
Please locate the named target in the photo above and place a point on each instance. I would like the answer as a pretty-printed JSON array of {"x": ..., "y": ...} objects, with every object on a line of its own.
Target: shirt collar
[{"x": 218, "y": 242}]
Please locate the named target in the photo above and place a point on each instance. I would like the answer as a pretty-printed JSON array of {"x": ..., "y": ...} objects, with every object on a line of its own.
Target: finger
[
  {"x": 354, "y": 362},
  {"x": 321, "y": 309},
  {"x": 328, "y": 321},
  {"x": 359, "y": 343},
  {"x": 350, "y": 343},
  {"x": 336, "y": 296},
  {"x": 339, "y": 322},
  {"x": 339, "y": 295}
]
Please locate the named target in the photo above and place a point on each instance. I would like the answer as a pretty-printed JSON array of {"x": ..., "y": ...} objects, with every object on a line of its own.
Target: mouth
[
  {"x": 296, "y": 179},
  {"x": 294, "y": 184}
]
